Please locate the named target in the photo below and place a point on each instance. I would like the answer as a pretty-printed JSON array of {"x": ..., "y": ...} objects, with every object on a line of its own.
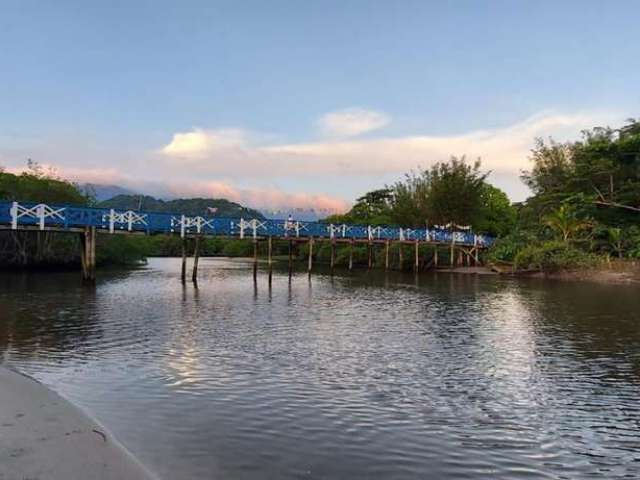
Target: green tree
[
  {"x": 497, "y": 216},
  {"x": 454, "y": 192},
  {"x": 565, "y": 223}
]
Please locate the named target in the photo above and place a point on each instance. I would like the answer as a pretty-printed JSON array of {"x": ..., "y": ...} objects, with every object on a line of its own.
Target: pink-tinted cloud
[{"x": 252, "y": 197}]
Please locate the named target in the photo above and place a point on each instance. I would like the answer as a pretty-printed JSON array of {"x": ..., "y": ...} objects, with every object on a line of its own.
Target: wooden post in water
[
  {"x": 351, "y": 255},
  {"x": 196, "y": 259},
  {"x": 370, "y": 249},
  {"x": 417, "y": 262},
  {"x": 400, "y": 259},
  {"x": 475, "y": 250},
  {"x": 452, "y": 253},
  {"x": 88, "y": 255},
  {"x": 255, "y": 258},
  {"x": 435, "y": 256},
  {"x": 183, "y": 275},
  {"x": 270, "y": 259},
  {"x": 386, "y": 255},
  {"x": 310, "y": 264},
  {"x": 333, "y": 255},
  {"x": 290, "y": 257}
]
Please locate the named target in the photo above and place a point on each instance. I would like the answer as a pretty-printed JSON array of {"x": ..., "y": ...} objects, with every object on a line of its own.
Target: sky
[{"x": 305, "y": 104}]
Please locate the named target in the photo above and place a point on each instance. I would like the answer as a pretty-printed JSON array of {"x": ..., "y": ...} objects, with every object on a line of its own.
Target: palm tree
[
  {"x": 564, "y": 222},
  {"x": 616, "y": 240}
]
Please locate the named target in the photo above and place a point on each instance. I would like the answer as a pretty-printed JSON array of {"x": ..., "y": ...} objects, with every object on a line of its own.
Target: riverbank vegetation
[{"x": 585, "y": 207}]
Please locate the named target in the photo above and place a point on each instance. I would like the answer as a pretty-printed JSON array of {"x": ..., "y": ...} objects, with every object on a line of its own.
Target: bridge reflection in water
[{"x": 463, "y": 245}]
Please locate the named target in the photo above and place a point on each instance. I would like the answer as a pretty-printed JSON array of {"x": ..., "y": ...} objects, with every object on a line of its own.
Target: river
[{"x": 352, "y": 377}]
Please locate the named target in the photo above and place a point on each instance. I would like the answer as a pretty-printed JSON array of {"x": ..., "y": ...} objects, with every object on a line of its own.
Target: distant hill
[
  {"x": 187, "y": 206},
  {"x": 302, "y": 214},
  {"x": 104, "y": 192}
]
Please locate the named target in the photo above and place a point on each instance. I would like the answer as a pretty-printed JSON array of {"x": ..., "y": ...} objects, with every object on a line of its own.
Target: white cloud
[
  {"x": 504, "y": 150},
  {"x": 258, "y": 171},
  {"x": 352, "y": 122},
  {"x": 199, "y": 143},
  {"x": 268, "y": 197}
]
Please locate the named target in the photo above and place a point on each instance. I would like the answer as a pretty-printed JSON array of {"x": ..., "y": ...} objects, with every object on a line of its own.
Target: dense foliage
[
  {"x": 585, "y": 204},
  {"x": 449, "y": 193}
]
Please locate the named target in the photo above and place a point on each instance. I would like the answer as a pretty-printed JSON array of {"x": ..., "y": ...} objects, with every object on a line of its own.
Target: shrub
[
  {"x": 505, "y": 249},
  {"x": 553, "y": 256}
]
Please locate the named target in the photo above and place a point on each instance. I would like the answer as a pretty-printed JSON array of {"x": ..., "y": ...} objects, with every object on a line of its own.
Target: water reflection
[{"x": 369, "y": 375}]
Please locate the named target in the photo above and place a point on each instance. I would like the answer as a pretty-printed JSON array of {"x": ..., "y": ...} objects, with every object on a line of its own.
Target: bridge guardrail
[{"x": 43, "y": 215}]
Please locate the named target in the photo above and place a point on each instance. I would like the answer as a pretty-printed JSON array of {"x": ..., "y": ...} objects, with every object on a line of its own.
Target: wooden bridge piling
[
  {"x": 386, "y": 255},
  {"x": 88, "y": 255},
  {"x": 310, "y": 264},
  {"x": 351, "y": 255},
  {"x": 452, "y": 261},
  {"x": 370, "y": 253},
  {"x": 196, "y": 258},
  {"x": 183, "y": 275},
  {"x": 255, "y": 258},
  {"x": 333, "y": 255},
  {"x": 290, "y": 257},
  {"x": 416, "y": 265},
  {"x": 269, "y": 258},
  {"x": 400, "y": 259}
]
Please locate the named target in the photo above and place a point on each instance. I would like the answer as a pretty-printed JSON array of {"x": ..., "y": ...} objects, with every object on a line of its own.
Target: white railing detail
[
  {"x": 185, "y": 223},
  {"x": 40, "y": 211},
  {"x": 253, "y": 225},
  {"x": 128, "y": 218}
]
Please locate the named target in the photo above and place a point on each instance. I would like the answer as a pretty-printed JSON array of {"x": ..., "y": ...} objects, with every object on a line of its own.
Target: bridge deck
[{"x": 29, "y": 216}]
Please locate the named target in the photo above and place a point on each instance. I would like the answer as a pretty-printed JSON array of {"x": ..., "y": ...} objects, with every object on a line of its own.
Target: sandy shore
[{"x": 44, "y": 437}]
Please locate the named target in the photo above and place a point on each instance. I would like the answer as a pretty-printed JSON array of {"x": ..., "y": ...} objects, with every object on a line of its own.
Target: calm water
[{"x": 369, "y": 376}]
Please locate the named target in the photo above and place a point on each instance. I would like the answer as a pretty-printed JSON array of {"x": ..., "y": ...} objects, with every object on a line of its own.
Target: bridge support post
[
  {"x": 255, "y": 258},
  {"x": 416, "y": 265},
  {"x": 183, "y": 275},
  {"x": 435, "y": 256},
  {"x": 269, "y": 258},
  {"x": 290, "y": 257},
  {"x": 370, "y": 252},
  {"x": 351, "y": 255},
  {"x": 400, "y": 259},
  {"x": 88, "y": 255},
  {"x": 196, "y": 258},
  {"x": 452, "y": 260},
  {"x": 386, "y": 255},
  {"x": 333, "y": 255},
  {"x": 310, "y": 265}
]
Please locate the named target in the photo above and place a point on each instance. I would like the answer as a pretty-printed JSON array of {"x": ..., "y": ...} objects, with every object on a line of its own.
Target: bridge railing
[{"x": 16, "y": 214}]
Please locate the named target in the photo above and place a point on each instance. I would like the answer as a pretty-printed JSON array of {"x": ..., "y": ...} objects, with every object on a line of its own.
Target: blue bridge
[{"x": 88, "y": 220}]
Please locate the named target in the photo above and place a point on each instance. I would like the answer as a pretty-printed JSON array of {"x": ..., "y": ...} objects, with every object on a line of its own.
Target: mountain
[
  {"x": 187, "y": 206},
  {"x": 302, "y": 214},
  {"x": 104, "y": 192}
]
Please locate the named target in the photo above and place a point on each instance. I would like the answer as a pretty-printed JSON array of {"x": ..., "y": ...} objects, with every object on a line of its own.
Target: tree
[
  {"x": 455, "y": 192},
  {"x": 497, "y": 216},
  {"x": 616, "y": 241},
  {"x": 373, "y": 207},
  {"x": 564, "y": 222},
  {"x": 599, "y": 175}
]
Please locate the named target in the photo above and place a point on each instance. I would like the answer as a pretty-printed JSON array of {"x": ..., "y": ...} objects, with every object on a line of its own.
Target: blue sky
[{"x": 304, "y": 102}]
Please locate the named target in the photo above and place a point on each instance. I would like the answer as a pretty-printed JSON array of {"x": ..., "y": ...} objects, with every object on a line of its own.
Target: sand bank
[{"x": 43, "y": 436}]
